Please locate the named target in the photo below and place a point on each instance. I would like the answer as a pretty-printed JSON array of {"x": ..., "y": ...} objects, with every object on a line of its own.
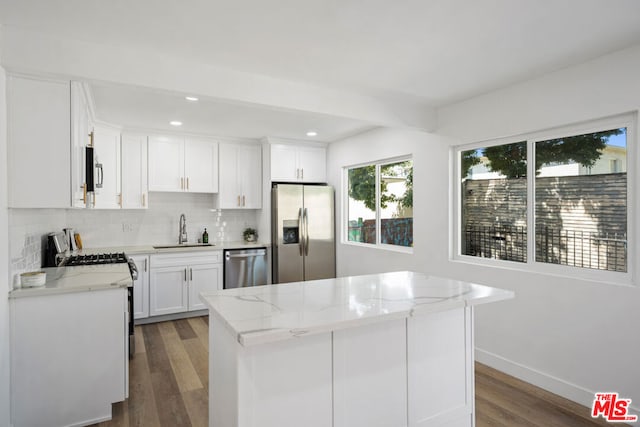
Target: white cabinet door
[
  {"x": 203, "y": 278},
  {"x": 38, "y": 143},
  {"x": 298, "y": 163},
  {"x": 134, "y": 172},
  {"x": 79, "y": 141},
  {"x": 166, "y": 164},
  {"x": 284, "y": 163},
  {"x": 250, "y": 176},
  {"x": 229, "y": 188},
  {"x": 201, "y": 166},
  {"x": 141, "y": 288},
  {"x": 106, "y": 142},
  {"x": 312, "y": 163},
  {"x": 168, "y": 290},
  {"x": 240, "y": 177},
  {"x": 66, "y": 348}
]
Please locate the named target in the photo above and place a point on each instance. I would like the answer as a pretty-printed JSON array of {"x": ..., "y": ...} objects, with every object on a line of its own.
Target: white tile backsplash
[{"x": 103, "y": 228}]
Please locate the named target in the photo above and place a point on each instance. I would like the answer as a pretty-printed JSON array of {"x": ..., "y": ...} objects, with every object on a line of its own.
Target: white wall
[
  {"x": 4, "y": 257},
  {"x": 430, "y": 199},
  {"x": 573, "y": 337}
]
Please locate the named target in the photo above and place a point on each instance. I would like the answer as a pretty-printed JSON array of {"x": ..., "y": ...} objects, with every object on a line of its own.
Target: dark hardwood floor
[{"x": 168, "y": 386}]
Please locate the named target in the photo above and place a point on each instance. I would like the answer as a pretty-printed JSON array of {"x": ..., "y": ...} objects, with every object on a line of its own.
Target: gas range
[
  {"x": 100, "y": 259},
  {"x": 103, "y": 259}
]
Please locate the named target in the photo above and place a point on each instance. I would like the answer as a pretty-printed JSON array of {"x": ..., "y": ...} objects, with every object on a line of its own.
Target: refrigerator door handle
[
  {"x": 300, "y": 232},
  {"x": 306, "y": 232}
]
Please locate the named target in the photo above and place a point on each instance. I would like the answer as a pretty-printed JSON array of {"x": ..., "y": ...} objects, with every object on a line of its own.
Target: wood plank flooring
[{"x": 169, "y": 386}]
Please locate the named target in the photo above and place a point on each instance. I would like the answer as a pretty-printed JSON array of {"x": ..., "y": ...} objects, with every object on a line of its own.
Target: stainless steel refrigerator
[{"x": 302, "y": 232}]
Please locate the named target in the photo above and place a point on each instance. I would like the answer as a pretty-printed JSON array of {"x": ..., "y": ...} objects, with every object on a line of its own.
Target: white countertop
[
  {"x": 79, "y": 279},
  {"x": 270, "y": 313},
  {"x": 149, "y": 249}
]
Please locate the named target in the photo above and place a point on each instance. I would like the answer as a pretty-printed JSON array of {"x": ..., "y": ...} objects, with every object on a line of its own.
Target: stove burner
[{"x": 113, "y": 258}]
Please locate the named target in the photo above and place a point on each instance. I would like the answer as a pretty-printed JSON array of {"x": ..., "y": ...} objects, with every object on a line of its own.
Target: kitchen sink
[{"x": 184, "y": 245}]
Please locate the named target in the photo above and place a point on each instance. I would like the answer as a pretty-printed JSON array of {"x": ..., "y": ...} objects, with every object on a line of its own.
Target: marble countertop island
[
  {"x": 79, "y": 279},
  {"x": 263, "y": 314}
]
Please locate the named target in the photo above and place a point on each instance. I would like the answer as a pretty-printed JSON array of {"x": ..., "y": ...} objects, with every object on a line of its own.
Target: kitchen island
[{"x": 390, "y": 349}]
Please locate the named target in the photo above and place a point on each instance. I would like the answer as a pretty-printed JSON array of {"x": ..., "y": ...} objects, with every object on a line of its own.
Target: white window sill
[{"x": 391, "y": 248}]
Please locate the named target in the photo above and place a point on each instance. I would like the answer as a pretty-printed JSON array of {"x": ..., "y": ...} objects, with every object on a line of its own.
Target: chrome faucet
[{"x": 182, "y": 238}]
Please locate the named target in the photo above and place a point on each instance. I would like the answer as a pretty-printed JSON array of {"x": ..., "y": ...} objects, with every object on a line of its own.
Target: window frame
[
  {"x": 628, "y": 121},
  {"x": 345, "y": 206}
]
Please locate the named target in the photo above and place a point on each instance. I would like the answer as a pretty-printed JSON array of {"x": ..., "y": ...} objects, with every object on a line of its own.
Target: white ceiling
[
  {"x": 431, "y": 52},
  {"x": 147, "y": 109}
]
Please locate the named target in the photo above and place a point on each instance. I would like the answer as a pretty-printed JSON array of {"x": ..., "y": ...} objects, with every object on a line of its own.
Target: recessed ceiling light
[
  {"x": 312, "y": 133},
  {"x": 191, "y": 98},
  {"x": 175, "y": 123}
]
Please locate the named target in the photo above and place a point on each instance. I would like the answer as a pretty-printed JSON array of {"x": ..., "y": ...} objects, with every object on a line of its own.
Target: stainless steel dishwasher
[{"x": 245, "y": 267}]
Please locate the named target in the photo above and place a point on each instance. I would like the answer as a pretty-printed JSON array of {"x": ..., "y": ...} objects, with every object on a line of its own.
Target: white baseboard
[{"x": 545, "y": 381}]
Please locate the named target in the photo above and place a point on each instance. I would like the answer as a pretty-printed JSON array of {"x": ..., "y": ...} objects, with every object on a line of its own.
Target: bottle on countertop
[{"x": 205, "y": 236}]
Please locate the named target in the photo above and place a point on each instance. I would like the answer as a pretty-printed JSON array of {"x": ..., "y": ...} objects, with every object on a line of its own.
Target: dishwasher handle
[{"x": 253, "y": 254}]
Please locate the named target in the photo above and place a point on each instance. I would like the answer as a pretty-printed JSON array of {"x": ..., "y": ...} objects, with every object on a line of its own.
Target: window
[
  {"x": 559, "y": 197},
  {"x": 380, "y": 203}
]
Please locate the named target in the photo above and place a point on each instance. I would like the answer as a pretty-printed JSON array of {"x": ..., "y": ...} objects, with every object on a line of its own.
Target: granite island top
[
  {"x": 79, "y": 279},
  {"x": 270, "y": 313}
]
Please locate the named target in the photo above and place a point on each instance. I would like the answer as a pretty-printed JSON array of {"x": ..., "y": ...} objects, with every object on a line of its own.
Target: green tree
[
  {"x": 508, "y": 159},
  {"x": 469, "y": 159},
  {"x": 511, "y": 159},
  {"x": 362, "y": 184}
]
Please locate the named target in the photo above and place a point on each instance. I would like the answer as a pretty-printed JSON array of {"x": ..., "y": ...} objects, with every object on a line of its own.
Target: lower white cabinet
[
  {"x": 176, "y": 281},
  {"x": 69, "y": 357},
  {"x": 141, "y": 287}
]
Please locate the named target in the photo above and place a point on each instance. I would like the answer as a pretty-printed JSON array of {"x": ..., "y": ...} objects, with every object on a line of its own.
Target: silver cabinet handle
[
  {"x": 182, "y": 183},
  {"x": 145, "y": 264},
  {"x": 187, "y": 183},
  {"x": 297, "y": 173},
  {"x": 191, "y": 274},
  {"x": 238, "y": 200},
  {"x": 302, "y": 173},
  {"x": 185, "y": 275},
  {"x": 243, "y": 201}
]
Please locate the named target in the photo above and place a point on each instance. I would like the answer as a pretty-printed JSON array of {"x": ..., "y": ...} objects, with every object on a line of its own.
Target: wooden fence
[{"x": 580, "y": 220}]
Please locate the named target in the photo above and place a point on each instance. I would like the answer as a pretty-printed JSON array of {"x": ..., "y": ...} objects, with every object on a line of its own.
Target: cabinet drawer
[{"x": 188, "y": 258}]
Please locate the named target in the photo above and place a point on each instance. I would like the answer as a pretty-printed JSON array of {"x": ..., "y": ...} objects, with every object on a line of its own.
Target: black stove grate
[{"x": 95, "y": 259}]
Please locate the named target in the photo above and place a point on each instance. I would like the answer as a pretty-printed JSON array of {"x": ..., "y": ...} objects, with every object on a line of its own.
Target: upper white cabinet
[
  {"x": 183, "y": 164},
  {"x": 134, "y": 171},
  {"x": 80, "y": 129},
  {"x": 106, "y": 146},
  {"x": 298, "y": 163},
  {"x": 38, "y": 143},
  {"x": 240, "y": 177}
]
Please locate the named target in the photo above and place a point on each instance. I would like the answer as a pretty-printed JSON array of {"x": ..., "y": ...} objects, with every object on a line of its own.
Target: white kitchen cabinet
[
  {"x": 201, "y": 165},
  {"x": 297, "y": 163},
  {"x": 203, "y": 278},
  {"x": 80, "y": 128},
  {"x": 168, "y": 290},
  {"x": 69, "y": 357},
  {"x": 179, "y": 164},
  {"x": 141, "y": 287},
  {"x": 176, "y": 281},
  {"x": 38, "y": 143},
  {"x": 106, "y": 156},
  {"x": 166, "y": 163},
  {"x": 134, "y": 184},
  {"x": 240, "y": 177}
]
